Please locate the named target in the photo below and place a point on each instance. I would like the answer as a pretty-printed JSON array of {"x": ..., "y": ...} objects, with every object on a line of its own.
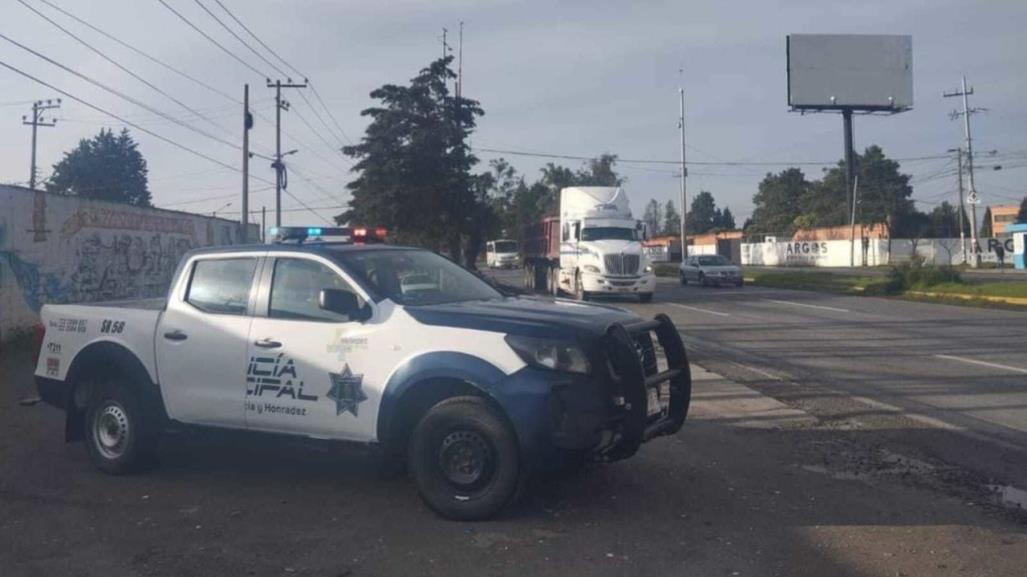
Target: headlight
[
  {"x": 648, "y": 268},
  {"x": 591, "y": 268},
  {"x": 549, "y": 354}
]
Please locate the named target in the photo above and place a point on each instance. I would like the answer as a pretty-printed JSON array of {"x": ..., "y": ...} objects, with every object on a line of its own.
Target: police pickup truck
[{"x": 470, "y": 389}]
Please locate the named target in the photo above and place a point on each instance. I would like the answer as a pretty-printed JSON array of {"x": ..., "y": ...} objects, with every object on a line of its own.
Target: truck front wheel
[
  {"x": 464, "y": 459},
  {"x": 119, "y": 437}
]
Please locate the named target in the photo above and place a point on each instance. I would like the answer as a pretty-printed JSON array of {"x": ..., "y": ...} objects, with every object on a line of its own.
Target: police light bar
[{"x": 301, "y": 234}]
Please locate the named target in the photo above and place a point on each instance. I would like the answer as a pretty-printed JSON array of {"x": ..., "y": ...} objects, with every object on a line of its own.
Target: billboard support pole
[{"x": 850, "y": 174}]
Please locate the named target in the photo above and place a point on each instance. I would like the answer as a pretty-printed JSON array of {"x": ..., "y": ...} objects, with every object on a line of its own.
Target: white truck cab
[
  {"x": 601, "y": 245},
  {"x": 393, "y": 347}
]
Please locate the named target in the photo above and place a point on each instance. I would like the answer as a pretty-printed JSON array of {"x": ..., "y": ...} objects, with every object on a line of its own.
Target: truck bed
[{"x": 129, "y": 324}]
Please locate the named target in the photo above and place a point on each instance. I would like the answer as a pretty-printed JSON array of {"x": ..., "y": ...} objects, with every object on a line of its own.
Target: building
[{"x": 1003, "y": 215}]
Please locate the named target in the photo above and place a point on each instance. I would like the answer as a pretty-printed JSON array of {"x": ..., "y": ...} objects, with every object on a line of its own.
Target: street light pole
[{"x": 684, "y": 175}]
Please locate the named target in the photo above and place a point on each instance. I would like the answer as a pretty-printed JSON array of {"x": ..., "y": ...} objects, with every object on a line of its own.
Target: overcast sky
[{"x": 575, "y": 78}]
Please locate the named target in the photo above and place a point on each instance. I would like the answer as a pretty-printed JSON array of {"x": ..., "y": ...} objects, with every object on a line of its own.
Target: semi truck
[{"x": 593, "y": 247}]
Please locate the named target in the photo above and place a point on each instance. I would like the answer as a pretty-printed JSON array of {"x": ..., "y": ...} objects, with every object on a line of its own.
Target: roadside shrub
[{"x": 915, "y": 274}]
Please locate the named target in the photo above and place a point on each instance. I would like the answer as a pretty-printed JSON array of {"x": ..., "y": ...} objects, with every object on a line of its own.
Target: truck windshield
[
  {"x": 415, "y": 277},
  {"x": 607, "y": 233},
  {"x": 506, "y": 246}
]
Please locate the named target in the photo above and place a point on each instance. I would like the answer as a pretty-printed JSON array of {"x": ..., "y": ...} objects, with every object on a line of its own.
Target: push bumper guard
[{"x": 633, "y": 374}]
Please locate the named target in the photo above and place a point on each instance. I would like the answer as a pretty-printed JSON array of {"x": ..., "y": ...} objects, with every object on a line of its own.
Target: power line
[
  {"x": 145, "y": 130},
  {"x": 118, "y": 64},
  {"x": 690, "y": 162},
  {"x": 271, "y": 51},
  {"x": 241, "y": 41},
  {"x": 261, "y": 42},
  {"x": 119, "y": 118},
  {"x": 211, "y": 39},
  {"x": 149, "y": 57},
  {"x": 120, "y": 94}
]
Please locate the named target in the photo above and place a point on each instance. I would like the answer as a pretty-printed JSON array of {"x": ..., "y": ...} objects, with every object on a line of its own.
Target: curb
[{"x": 970, "y": 297}]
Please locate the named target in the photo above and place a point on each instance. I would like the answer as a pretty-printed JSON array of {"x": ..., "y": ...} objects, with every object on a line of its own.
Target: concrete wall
[
  {"x": 813, "y": 253},
  {"x": 836, "y": 253},
  {"x": 63, "y": 249}
]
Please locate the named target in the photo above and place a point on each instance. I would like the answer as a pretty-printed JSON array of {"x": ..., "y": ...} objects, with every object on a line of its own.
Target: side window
[
  {"x": 222, "y": 285},
  {"x": 296, "y": 287}
]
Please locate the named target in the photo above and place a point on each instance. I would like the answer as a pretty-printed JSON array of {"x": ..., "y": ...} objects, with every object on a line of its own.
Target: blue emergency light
[{"x": 300, "y": 234}]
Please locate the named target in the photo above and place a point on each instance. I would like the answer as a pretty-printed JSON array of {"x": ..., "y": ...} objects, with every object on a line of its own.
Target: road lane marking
[
  {"x": 697, "y": 309},
  {"x": 983, "y": 363},
  {"x": 821, "y": 307}
]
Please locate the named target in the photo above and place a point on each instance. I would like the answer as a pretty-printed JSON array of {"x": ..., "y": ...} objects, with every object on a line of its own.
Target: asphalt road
[{"x": 817, "y": 455}]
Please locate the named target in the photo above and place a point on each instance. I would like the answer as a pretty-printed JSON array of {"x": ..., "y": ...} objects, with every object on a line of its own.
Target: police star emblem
[{"x": 346, "y": 391}]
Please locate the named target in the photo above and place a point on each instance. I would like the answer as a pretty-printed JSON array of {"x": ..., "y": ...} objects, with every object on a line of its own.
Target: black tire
[
  {"x": 740, "y": 283},
  {"x": 120, "y": 437},
  {"x": 645, "y": 297},
  {"x": 464, "y": 459}
]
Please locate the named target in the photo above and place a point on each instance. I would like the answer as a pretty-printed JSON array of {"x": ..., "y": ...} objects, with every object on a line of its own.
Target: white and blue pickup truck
[{"x": 470, "y": 389}]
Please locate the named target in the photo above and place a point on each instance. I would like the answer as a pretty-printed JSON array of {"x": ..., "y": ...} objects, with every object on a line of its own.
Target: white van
[{"x": 502, "y": 254}]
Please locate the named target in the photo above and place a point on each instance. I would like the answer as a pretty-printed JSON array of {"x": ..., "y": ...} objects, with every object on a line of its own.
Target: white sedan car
[{"x": 710, "y": 269}]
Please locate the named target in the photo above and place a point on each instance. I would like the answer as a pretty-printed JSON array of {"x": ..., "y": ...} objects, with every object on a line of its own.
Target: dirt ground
[{"x": 749, "y": 487}]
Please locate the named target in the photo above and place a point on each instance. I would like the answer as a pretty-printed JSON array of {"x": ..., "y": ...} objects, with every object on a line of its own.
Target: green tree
[
  {"x": 414, "y": 165},
  {"x": 599, "y": 172},
  {"x": 777, "y": 202},
  {"x": 671, "y": 219},
  {"x": 653, "y": 217},
  {"x": 1021, "y": 216},
  {"x": 884, "y": 195},
  {"x": 725, "y": 220},
  {"x": 703, "y": 214},
  {"x": 105, "y": 167},
  {"x": 986, "y": 231},
  {"x": 944, "y": 222}
]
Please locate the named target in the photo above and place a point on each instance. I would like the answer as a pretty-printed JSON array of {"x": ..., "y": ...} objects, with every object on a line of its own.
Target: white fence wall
[
  {"x": 813, "y": 253},
  {"x": 836, "y": 253},
  {"x": 60, "y": 249}
]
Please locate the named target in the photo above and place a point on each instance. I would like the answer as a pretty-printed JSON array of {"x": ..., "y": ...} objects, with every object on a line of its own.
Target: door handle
[
  {"x": 175, "y": 335},
  {"x": 268, "y": 344}
]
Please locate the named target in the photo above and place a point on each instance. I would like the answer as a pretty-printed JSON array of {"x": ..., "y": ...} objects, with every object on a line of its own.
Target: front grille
[{"x": 621, "y": 263}]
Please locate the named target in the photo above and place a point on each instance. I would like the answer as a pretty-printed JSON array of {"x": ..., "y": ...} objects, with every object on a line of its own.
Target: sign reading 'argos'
[{"x": 805, "y": 251}]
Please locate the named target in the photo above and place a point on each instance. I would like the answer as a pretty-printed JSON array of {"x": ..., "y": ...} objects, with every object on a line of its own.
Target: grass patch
[
  {"x": 912, "y": 280},
  {"x": 668, "y": 270},
  {"x": 815, "y": 281}
]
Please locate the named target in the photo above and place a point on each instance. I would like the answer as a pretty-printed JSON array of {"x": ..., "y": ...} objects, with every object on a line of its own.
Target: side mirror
[{"x": 342, "y": 302}]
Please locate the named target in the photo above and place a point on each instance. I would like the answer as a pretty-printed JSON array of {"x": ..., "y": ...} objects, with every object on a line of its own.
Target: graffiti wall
[{"x": 61, "y": 249}]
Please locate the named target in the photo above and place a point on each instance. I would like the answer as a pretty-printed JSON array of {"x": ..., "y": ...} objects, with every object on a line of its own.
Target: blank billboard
[{"x": 862, "y": 72}]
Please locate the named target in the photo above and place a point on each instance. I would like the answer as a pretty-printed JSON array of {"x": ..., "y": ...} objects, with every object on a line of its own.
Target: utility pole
[
  {"x": 971, "y": 198},
  {"x": 278, "y": 165},
  {"x": 38, "y": 120},
  {"x": 684, "y": 175},
  {"x": 850, "y": 180},
  {"x": 247, "y": 124},
  {"x": 460, "y": 63},
  {"x": 960, "y": 206},
  {"x": 263, "y": 224}
]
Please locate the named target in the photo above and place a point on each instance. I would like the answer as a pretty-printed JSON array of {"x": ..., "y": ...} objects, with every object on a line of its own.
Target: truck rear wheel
[
  {"x": 464, "y": 459},
  {"x": 120, "y": 439}
]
